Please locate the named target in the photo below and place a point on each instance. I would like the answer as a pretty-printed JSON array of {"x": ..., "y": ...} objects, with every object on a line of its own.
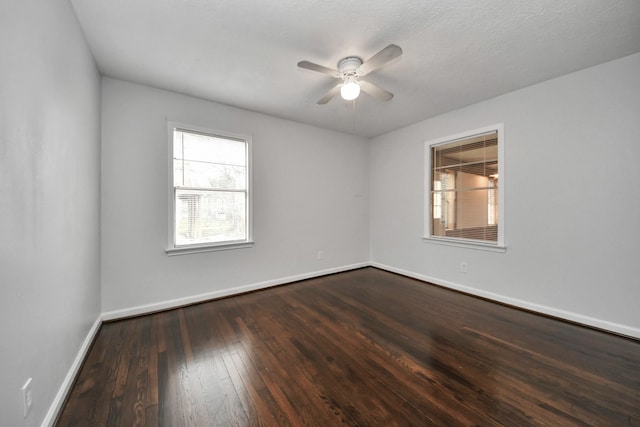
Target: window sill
[
  {"x": 470, "y": 244},
  {"x": 184, "y": 250}
]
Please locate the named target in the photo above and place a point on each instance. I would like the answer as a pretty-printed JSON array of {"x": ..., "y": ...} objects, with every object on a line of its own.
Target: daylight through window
[{"x": 210, "y": 189}]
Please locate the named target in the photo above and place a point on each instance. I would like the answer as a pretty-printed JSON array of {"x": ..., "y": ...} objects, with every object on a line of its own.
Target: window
[
  {"x": 210, "y": 194},
  {"x": 464, "y": 185}
]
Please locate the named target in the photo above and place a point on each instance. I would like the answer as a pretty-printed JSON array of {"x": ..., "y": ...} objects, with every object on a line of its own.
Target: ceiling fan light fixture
[
  {"x": 352, "y": 68},
  {"x": 350, "y": 90}
]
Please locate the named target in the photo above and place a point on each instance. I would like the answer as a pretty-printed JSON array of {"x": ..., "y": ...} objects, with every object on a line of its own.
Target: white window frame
[
  {"x": 499, "y": 245},
  {"x": 172, "y": 249}
]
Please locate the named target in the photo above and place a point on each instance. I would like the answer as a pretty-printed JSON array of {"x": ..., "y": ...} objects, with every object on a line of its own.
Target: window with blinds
[
  {"x": 464, "y": 187},
  {"x": 210, "y": 188}
]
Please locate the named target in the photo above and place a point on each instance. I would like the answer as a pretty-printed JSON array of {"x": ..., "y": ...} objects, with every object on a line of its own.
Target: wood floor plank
[{"x": 360, "y": 348}]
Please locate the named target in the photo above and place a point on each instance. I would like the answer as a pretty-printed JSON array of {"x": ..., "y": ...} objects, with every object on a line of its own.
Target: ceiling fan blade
[
  {"x": 333, "y": 92},
  {"x": 319, "y": 68},
  {"x": 379, "y": 59},
  {"x": 375, "y": 91}
]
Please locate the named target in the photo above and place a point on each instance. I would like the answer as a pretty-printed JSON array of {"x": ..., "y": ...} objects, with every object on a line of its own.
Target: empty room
[{"x": 288, "y": 213}]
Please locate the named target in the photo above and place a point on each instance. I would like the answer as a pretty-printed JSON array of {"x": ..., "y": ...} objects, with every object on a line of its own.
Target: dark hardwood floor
[{"x": 366, "y": 348}]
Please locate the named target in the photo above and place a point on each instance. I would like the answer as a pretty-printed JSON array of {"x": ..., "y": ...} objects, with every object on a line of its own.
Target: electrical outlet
[
  {"x": 463, "y": 267},
  {"x": 320, "y": 255},
  {"x": 27, "y": 397}
]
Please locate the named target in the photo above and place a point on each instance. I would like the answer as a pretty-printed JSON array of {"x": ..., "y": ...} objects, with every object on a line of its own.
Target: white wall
[
  {"x": 49, "y": 201},
  {"x": 572, "y": 206},
  {"x": 310, "y": 193}
]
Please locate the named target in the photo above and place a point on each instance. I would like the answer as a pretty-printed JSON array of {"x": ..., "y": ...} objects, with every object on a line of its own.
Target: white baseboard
[
  {"x": 538, "y": 308},
  {"x": 550, "y": 311},
  {"x": 58, "y": 401},
  {"x": 56, "y": 406},
  {"x": 193, "y": 299}
]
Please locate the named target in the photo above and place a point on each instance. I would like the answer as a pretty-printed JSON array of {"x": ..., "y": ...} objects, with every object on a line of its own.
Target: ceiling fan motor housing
[{"x": 350, "y": 66}]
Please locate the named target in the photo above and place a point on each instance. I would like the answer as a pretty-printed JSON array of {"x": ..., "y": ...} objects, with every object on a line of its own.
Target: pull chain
[{"x": 354, "y": 116}]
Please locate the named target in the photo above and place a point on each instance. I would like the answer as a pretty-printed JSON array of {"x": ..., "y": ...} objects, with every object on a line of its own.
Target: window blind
[{"x": 464, "y": 188}]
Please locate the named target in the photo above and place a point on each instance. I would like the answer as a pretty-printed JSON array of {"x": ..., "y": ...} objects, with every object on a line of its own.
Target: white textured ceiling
[{"x": 456, "y": 52}]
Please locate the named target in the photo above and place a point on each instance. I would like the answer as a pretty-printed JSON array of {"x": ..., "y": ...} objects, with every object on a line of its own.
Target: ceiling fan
[{"x": 350, "y": 72}]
